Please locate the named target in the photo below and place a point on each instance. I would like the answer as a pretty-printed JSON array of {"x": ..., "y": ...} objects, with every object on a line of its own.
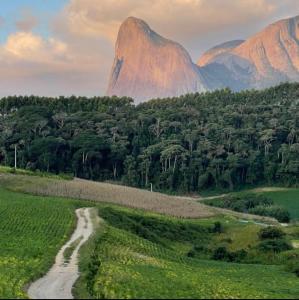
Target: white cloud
[
  {"x": 27, "y": 46},
  {"x": 31, "y": 64}
]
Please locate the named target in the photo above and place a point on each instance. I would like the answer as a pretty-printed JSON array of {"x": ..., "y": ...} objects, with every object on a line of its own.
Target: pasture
[
  {"x": 32, "y": 229},
  {"x": 132, "y": 267}
]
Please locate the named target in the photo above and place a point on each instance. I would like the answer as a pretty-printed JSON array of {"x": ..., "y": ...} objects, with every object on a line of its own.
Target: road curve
[{"x": 59, "y": 281}]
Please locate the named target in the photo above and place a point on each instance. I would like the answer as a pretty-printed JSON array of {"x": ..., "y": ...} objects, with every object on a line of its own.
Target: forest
[{"x": 214, "y": 140}]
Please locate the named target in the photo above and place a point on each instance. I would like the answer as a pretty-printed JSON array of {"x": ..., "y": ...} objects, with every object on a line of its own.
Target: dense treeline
[{"x": 197, "y": 141}]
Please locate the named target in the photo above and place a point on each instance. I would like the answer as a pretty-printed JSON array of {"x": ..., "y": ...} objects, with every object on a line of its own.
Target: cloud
[
  {"x": 196, "y": 24},
  {"x": 27, "y": 46},
  {"x": 77, "y": 55},
  {"x": 32, "y": 64},
  {"x": 27, "y": 22},
  {"x": 180, "y": 19}
]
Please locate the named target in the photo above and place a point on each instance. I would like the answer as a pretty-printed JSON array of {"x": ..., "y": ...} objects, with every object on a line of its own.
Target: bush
[
  {"x": 223, "y": 254},
  {"x": 253, "y": 204},
  {"x": 191, "y": 253},
  {"x": 271, "y": 233},
  {"x": 220, "y": 253},
  {"x": 218, "y": 227},
  {"x": 279, "y": 213},
  {"x": 276, "y": 246},
  {"x": 237, "y": 256}
]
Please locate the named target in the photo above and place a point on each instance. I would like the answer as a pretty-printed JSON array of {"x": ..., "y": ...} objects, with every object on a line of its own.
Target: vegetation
[
  {"x": 68, "y": 252},
  {"x": 37, "y": 173},
  {"x": 109, "y": 193},
  {"x": 288, "y": 199},
  {"x": 129, "y": 262},
  {"x": 142, "y": 254},
  {"x": 252, "y": 204},
  {"x": 271, "y": 233},
  {"x": 32, "y": 229},
  {"x": 278, "y": 245},
  {"x": 219, "y": 140}
]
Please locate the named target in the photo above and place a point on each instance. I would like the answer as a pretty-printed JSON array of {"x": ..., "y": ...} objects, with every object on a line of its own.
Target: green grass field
[
  {"x": 288, "y": 199},
  {"x": 132, "y": 267},
  {"x": 138, "y": 254},
  {"x": 134, "y": 263},
  {"x": 32, "y": 229}
]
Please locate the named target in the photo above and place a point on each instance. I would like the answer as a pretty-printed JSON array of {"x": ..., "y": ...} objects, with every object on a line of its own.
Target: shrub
[
  {"x": 271, "y": 233},
  {"x": 191, "y": 253},
  {"x": 218, "y": 227},
  {"x": 223, "y": 254},
  {"x": 237, "y": 256},
  {"x": 276, "y": 246},
  {"x": 279, "y": 213},
  {"x": 253, "y": 204},
  {"x": 220, "y": 253}
]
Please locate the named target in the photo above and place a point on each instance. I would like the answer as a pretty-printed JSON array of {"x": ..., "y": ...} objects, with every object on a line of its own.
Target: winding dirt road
[{"x": 59, "y": 281}]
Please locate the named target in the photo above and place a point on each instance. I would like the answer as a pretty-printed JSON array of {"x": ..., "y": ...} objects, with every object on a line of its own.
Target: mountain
[
  {"x": 223, "y": 48},
  {"x": 146, "y": 65},
  {"x": 265, "y": 59}
]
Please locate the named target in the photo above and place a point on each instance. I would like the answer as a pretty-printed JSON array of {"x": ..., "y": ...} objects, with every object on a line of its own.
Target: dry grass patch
[{"x": 122, "y": 195}]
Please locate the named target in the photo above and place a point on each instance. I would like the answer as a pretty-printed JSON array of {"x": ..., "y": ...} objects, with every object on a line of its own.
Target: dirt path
[{"x": 59, "y": 281}]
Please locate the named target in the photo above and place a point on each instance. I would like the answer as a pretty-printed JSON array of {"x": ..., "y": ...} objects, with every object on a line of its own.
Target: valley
[
  {"x": 149, "y": 149},
  {"x": 138, "y": 253}
]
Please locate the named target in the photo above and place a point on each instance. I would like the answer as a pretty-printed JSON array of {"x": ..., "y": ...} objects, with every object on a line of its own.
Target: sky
[{"x": 66, "y": 47}]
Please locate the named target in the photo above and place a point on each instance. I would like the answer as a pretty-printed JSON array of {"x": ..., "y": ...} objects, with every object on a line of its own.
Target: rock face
[
  {"x": 267, "y": 58},
  {"x": 218, "y": 50},
  {"x": 146, "y": 65}
]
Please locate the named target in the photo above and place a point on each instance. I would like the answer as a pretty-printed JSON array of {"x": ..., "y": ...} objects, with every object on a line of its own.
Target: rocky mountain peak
[{"x": 147, "y": 65}]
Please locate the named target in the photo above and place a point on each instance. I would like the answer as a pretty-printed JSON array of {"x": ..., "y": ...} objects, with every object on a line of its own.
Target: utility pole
[{"x": 15, "y": 157}]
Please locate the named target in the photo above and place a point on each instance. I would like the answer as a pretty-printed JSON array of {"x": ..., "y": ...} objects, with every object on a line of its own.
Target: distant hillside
[{"x": 218, "y": 140}]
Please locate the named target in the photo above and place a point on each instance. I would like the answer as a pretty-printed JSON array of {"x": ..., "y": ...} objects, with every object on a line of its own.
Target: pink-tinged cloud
[
  {"x": 77, "y": 57},
  {"x": 27, "y": 22}
]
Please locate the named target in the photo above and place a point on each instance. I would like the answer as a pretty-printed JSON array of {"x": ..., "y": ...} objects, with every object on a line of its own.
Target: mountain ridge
[
  {"x": 143, "y": 61},
  {"x": 147, "y": 65}
]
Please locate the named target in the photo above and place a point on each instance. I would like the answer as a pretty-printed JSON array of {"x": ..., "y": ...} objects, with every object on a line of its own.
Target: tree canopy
[{"x": 218, "y": 139}]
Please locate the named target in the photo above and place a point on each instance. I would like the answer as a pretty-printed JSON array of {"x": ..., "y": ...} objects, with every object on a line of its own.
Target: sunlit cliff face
[
  {"x": 65, "y": 47},
  {"x": 148, "y": 66}
]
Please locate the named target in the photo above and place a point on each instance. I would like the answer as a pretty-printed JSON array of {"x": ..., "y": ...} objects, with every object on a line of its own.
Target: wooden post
[
  {"x": 15, "y": 157},
  {"x": 151, "y": 187}
]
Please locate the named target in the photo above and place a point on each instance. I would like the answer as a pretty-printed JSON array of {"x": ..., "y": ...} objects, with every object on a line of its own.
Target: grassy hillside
[
  {"x": 32, "y": 229},
  {"x": 128, "y": 262},
  {"x": 137, "y": 253},
  {"x": 283, "y": 199}
]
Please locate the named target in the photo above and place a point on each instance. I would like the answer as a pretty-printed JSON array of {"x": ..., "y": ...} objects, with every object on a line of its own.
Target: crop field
[
  {"x": 109, "y": 193},
  {"x": 132, "y": 267},
  {"x": 32, "y": 229},
  {"x": 136, "y": 252},
  {"x": 132, "y": 262}
]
